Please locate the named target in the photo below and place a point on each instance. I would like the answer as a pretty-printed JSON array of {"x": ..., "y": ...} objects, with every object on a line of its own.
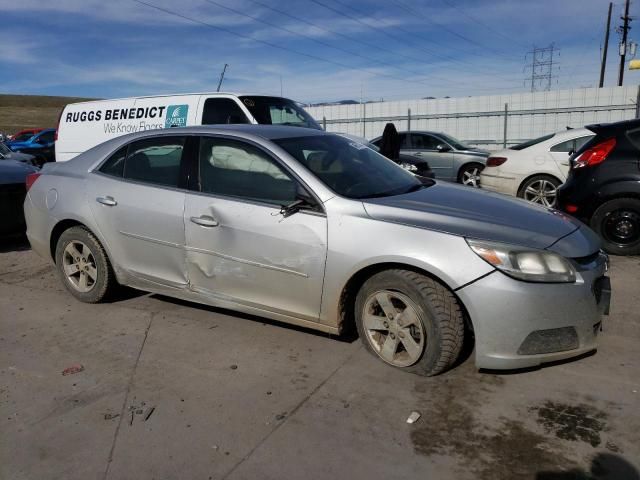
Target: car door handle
[
  {"x": 108, "y": 201},
  {"x": 205, "y": 221}
]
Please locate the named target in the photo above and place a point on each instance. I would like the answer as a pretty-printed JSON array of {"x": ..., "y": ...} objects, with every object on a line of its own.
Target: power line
[
  {"x": 320, "y": 42},
  {"x": 542, "y": 67},
  {"x": 477, "y": 21},
  {"x": 274, "y": 45},
  {"x": 451, "y": 31}
]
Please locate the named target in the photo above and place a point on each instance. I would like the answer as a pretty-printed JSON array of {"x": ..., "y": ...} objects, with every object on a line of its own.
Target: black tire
[
  {"x": 437, "y": 309},
  {"x": 470, "y": 170},
  {"x": 539, "y": 181},
  {"x": 610, "y": 215},
  {"x": 105, "y": 283}
]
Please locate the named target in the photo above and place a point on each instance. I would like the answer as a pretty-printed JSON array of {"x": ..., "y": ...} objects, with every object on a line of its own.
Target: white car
[{"x": 535, "y": 169}]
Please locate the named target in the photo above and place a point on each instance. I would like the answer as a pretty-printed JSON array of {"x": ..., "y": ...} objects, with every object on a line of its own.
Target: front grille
[{"x": 549, "y": 341}]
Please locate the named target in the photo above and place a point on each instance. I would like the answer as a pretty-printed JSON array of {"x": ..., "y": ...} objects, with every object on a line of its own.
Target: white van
[{"x": 87, "y": 124}]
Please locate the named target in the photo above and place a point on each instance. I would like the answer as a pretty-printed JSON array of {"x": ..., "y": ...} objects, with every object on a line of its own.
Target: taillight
[
  {"x": 495, "y": 161},
  {"x": 595, "y": 155},
  {"x": 31, "y": 179}
]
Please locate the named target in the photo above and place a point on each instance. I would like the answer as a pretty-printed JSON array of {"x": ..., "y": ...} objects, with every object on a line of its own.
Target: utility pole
[
  {"x": 623, "y": 44},
  {"x": 222, "y": 77},
  {"x": 606, "y": 46},
  {"x": 542, "y": 67}
]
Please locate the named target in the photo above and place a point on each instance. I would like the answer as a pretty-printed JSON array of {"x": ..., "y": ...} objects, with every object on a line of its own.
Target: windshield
[
  {"x": 530, "y": 143},
  {"x": 349, "y": 168},
  {"x": 454, "y": 142},
  {"x": 278, "y": 111},
  {"x": 22, "y": 137}
]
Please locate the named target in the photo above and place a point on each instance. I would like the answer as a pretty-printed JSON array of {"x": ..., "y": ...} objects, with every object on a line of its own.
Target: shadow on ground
[
  {"x": 14, "y": 243},
  {"x": 604, "y": 466}
]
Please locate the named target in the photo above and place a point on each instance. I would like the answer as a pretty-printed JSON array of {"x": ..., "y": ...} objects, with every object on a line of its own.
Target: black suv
[{"x": 603, "y": 187}]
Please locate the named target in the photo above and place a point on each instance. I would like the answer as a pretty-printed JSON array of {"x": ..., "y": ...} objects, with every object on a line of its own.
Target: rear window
[{"x": 530, "y": 143}]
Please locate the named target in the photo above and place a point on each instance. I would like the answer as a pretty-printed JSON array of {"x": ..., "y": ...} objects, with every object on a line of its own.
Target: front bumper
[
  {"x": 492, "y": 179},
  {"x": 520, "y": 324}
]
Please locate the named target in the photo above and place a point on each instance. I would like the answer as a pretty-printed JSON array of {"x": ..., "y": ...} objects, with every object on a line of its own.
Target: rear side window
[
  {"x": 114, "y": 166},
  {"x": 155, "y": 160},
  {"x": 572, "y": 145},
  {"x": 233, "y": 168},
  {"x": 634, "y": 137},
  {"x": 420, "y": 141},
  {"x": 222, "y": 111}
]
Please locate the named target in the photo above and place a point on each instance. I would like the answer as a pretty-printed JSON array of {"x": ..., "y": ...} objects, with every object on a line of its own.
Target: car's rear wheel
[
  {"x": 84, "y": 266},
  {"x": 618, "y": 224},
  {"x": 410, "y": 321},
  {"x": 540, "y": 189},
  {"x": 469, "y": 174}
]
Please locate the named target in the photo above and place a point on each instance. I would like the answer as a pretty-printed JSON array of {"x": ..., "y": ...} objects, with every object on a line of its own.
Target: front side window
[
  {"x": 236, "y": 169},
  {"x": 278, "y": 111},
  {"x": 219, "y": 111},
  {"x": 155, "y": 160},
  {"x": 420, "y": 141},
  {"x": 349, "y": 168}
]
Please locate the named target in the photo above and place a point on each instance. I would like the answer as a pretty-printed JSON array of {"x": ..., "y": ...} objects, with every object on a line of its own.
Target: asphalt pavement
[{"x": 156, "y": 388}]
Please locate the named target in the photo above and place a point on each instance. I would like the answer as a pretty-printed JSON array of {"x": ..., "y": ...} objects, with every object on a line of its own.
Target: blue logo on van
[{"x": 176, "y": 116}]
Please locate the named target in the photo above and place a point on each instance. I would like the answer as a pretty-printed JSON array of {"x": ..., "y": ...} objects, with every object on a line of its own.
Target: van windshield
[{"x": 278, "y": 111}]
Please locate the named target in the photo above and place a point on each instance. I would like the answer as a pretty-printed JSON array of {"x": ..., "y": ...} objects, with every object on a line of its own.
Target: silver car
[
  {"x": 450, "y": 159},
  {"x": 313, "y": 229}
]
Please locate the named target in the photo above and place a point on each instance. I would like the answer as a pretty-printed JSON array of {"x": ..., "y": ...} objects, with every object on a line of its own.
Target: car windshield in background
[
  {"x": 530, "y": 143},
  {"x": 455, "y": 143},
  {"x": 349, "y": 168},
  {"x": 278, "y": 111},
  {"x": 22, "y": 138}
]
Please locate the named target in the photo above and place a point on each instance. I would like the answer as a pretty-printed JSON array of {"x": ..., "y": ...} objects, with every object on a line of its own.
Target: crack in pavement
[
  {"x": 293, "y": 412},
  {"x": 126, "y": 397}
]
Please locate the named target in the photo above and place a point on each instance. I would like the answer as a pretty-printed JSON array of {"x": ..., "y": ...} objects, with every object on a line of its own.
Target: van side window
[
  {"x": 222, "y": 111},
  {"x": 155, "y": 160},
  {"x": 236, "y": 169},
  {"x": 114, "y": 166}
]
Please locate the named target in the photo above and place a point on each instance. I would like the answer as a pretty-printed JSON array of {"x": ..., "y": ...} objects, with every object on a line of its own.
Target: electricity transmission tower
[{"x": 542, "y": 61}]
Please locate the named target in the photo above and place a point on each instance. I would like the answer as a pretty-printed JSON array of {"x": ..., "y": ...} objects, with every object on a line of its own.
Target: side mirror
[{"x": 443, "y": 147}]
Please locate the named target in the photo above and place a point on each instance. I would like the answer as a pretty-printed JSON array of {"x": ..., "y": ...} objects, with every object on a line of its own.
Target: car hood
[
  {"x": 21, "y": 157},
  {"x": 16, "y": 145},
  {"x": 475, "y": 151},
  {"x": 483, "y": 215}
]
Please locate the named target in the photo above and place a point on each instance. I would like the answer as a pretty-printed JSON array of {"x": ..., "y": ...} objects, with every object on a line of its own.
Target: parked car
[
  {"x": 13, "y": 175},
  {"x": 535, "y": 169},
  {"x": 25, "y": 134},
  {"x": 603, "y": 187},
  {"x": 40, "y": 145},
  {"x": 7, "y": 154},
  {"x": 310, "y": 228},
  {"x": 419, "y": 167},
  {"x": 87, "y": 124},
  {"x": 449, "y": 158}
]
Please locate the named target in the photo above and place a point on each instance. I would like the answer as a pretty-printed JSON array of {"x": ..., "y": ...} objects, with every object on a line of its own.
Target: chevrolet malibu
[{"x": 313, "y": 229}]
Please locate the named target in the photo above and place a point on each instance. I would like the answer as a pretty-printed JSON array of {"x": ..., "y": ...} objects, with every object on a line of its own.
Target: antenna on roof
[{"x": 222, "y": 76}]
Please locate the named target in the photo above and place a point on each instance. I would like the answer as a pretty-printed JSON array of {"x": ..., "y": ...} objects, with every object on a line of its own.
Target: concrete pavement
[{"x": 238, "y": 397}]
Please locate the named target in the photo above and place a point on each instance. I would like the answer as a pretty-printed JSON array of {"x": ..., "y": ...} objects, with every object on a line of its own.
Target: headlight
[{"x": 524, "y": 263}]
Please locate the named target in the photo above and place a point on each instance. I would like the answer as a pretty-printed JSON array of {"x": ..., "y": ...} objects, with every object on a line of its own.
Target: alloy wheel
[
  {"x": 79, "y": 266},
  {"x": 471, "y": 177},
  {"x": 393, "y": 328},
  {"x": 541, "y": 191}
]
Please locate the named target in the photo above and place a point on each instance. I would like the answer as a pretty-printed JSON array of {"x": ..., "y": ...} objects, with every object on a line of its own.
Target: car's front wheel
[
  {"x": 83, "y": 265},
  {"x": 410, "y": 321},
  {"x": 469, "y": 174},
  {"x": 618, "y": 224}
]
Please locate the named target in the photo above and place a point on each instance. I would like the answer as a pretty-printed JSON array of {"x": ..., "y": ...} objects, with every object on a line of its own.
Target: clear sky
[{"x": 314, "y": 50}]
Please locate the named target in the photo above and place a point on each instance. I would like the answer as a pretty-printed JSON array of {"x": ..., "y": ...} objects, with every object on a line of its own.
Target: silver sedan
[{"x": 313, "y": 229}]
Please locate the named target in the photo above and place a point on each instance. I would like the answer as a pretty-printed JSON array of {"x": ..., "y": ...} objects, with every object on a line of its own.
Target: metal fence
[{"x": 488, "y": 121}]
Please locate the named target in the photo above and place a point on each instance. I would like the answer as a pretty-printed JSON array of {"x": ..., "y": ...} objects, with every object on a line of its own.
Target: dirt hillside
[{"x": 31, "y": 111}]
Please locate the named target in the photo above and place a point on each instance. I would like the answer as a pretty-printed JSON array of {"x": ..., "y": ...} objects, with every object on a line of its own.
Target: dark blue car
[
  {"x": 40, "y": 145},
  {"x": 13, "y": 175}
]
